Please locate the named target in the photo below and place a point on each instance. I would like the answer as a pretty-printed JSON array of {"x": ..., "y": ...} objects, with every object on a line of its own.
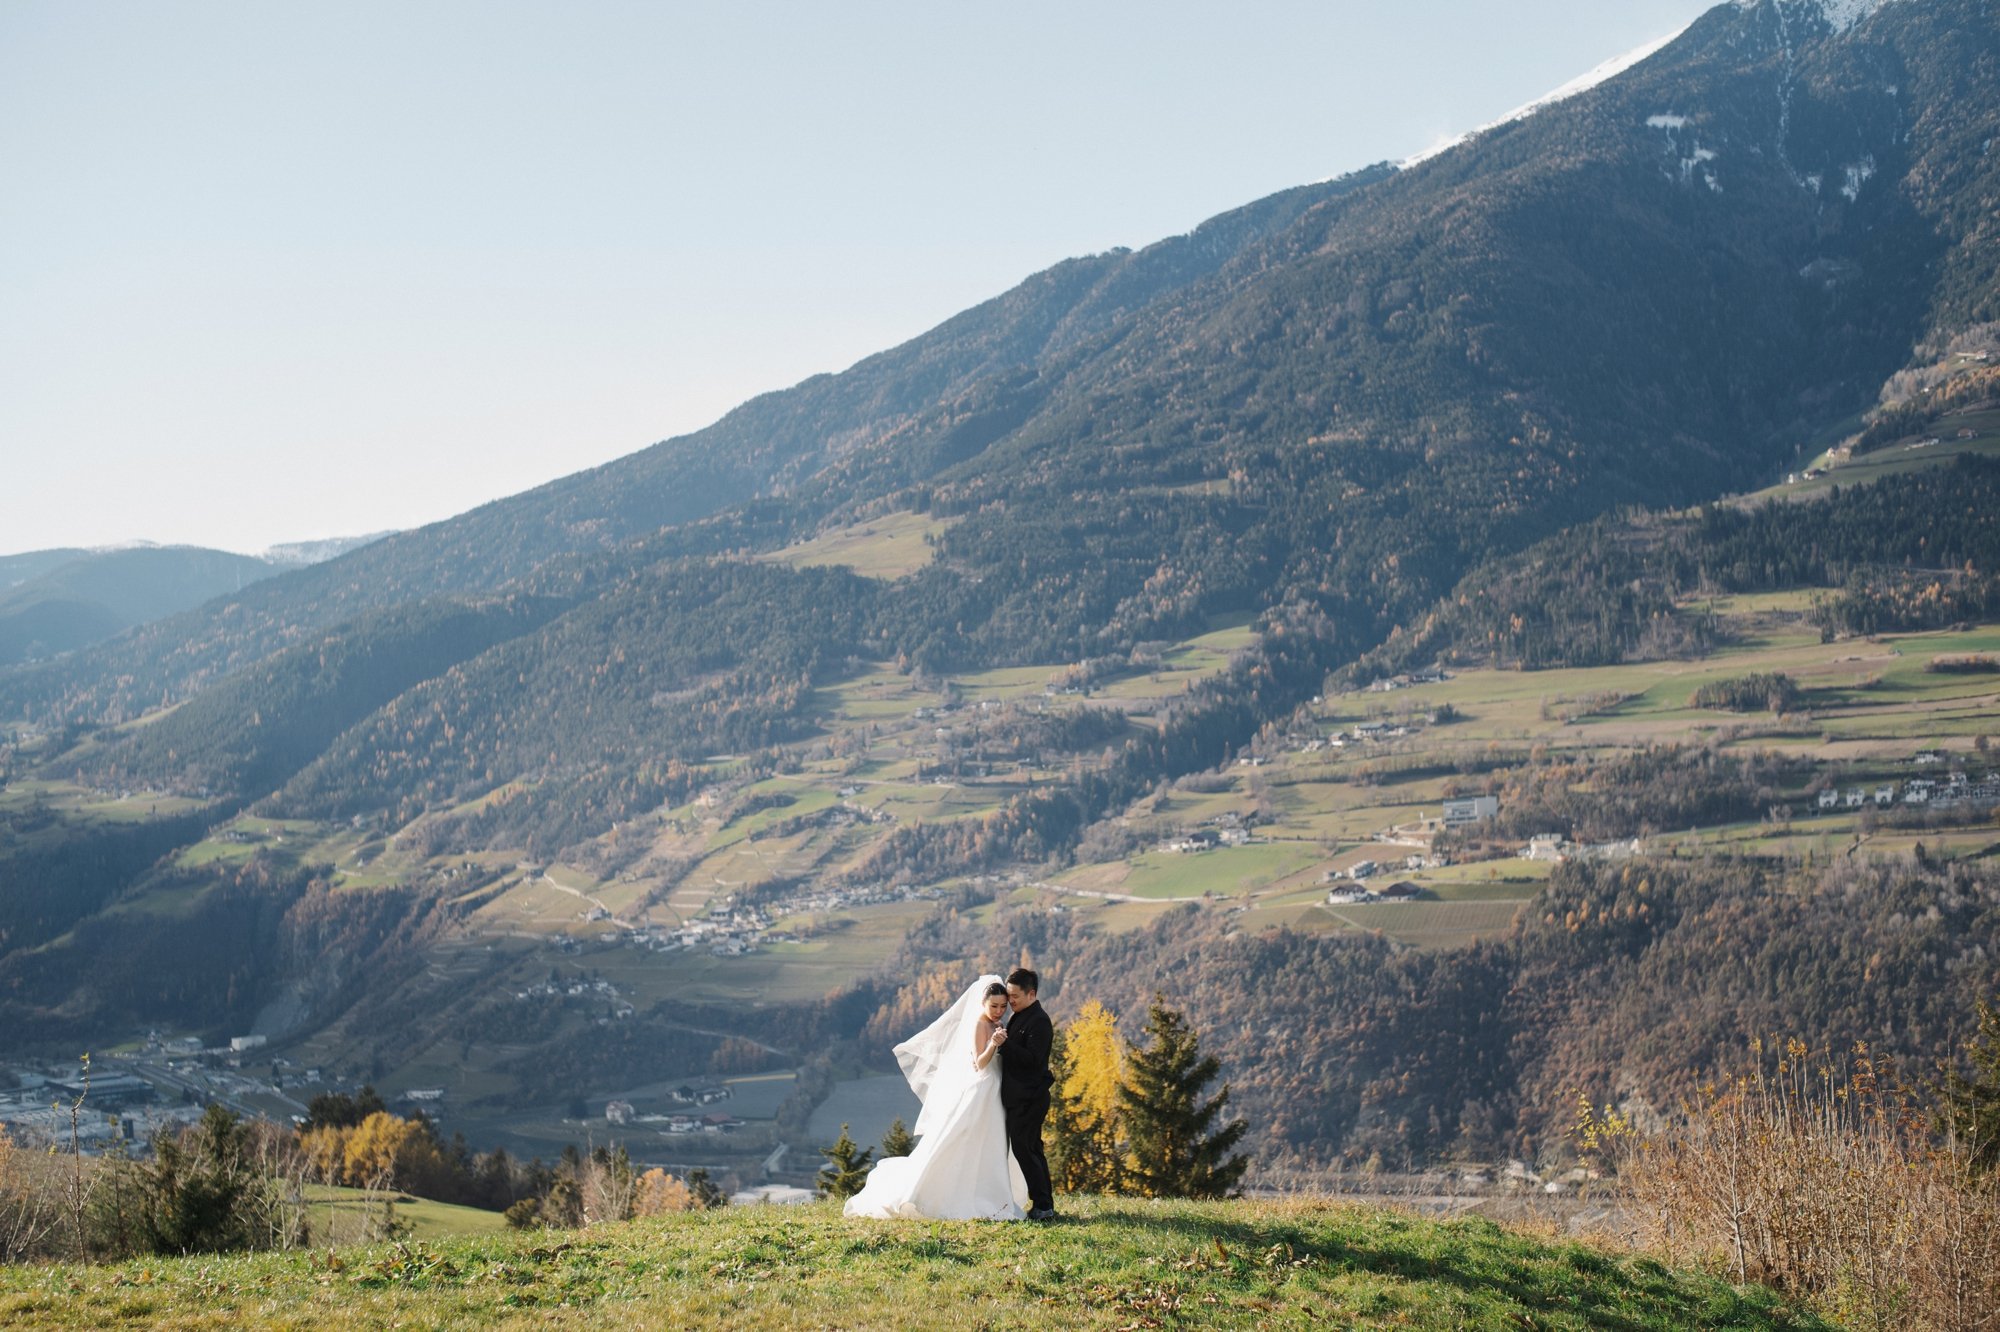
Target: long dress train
[{"x": 961, "y": 1169}]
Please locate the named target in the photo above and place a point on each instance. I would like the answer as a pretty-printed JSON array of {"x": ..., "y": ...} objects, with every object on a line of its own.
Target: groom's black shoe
[{"x": 1042, "y": 1214}]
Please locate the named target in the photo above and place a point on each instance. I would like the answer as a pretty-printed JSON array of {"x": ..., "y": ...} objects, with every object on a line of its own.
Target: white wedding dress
[{"x": 961, "y": 1169}]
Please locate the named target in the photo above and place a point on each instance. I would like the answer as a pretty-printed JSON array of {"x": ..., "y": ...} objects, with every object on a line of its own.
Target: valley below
[{"x": 713, "y": 984}]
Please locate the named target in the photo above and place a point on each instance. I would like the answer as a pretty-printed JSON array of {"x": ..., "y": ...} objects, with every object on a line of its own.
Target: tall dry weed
[
  {"x": 1820, "y": 1176},
  {"x": 30, "y": 1208}
]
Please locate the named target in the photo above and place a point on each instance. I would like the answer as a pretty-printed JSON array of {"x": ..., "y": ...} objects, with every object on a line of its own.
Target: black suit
[{"x": 1024, "y": 1095}]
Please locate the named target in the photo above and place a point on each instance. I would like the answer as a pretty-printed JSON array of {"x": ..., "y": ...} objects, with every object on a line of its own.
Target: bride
[{"x": 961, "y": 1169}]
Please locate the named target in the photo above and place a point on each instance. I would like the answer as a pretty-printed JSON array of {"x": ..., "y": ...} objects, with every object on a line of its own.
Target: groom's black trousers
[{"x": 1024, "y": 1136}]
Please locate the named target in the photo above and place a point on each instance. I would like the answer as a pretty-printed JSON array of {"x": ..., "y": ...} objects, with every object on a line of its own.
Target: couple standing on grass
[{"x": 982, "y": 1073}]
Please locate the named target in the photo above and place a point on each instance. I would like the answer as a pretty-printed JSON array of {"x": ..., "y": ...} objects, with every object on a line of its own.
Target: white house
[
  {"x": 1546, "y": 846},
  {"x": 1470, "y": 809}
]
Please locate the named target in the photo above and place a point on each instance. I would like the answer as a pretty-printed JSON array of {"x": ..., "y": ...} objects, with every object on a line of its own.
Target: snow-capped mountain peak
[
  {"x": 1611, "y": 68},
  {"x": 1840, "y": 15}
]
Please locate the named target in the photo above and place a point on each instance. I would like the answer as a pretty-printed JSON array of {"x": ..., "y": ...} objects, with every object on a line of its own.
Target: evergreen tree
[
  {"x": 562, "y": 1207},
  {"x": 198, "y": 1188},
  {"x": 898, "y": 1140},
  {"x": 706, "y": 1192},
  {"x": 339, "y": 1110},
  {"x": 1171, "y": 1151},
  {"x": 846, "y": 1167},
  {"x": 1059, "y": 1130},
  {"x": 1972, "y": 1101}
]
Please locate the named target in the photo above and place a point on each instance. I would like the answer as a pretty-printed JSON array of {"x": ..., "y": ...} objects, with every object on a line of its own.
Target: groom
[{"x": 1024, "y": 1087}]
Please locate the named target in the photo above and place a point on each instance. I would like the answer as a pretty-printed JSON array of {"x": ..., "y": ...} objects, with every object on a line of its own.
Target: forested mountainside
[
  {"x": 18, "y": 569},
  {"x": 1625, "y": 984},
  {"x": 52, "y": 602},
  {"x": 366, "y": 803},
  {"x": 1919, "y": 553},
  {"x": 1651, "y": 292}
]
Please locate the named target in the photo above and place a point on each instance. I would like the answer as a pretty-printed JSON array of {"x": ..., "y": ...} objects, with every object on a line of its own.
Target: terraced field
[{"x": 1318, "y": 809}]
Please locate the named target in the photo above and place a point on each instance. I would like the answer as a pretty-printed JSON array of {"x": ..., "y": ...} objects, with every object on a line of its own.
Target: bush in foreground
[{"x": 1822, "y": 1178}]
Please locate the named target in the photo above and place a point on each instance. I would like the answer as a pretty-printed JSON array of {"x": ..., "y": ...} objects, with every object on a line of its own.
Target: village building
[
  {"x": 1470, "y": 809},
  {"x": 1547, "y": 846}
]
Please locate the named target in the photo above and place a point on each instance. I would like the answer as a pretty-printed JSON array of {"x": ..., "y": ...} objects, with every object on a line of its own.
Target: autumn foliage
[{"x": 1138, "y": 1118}]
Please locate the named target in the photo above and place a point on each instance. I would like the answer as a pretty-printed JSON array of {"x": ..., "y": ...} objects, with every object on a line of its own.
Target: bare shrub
[
  {"x": 1821, "y": 1177},
  {"x": 607, "y": 1187},
  {"x": 29, "y": 1202}
]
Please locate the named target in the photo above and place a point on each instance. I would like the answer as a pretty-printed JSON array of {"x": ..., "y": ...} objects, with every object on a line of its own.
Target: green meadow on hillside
[{"x": 1109, "y": 1264}]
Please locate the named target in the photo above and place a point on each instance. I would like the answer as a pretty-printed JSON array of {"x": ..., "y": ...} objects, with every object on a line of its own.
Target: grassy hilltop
[{"x": 1111, "y": 1264}]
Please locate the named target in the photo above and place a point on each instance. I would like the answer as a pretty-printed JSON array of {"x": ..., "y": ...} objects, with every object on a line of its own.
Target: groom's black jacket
[{"x": 1024, "y": 1059}]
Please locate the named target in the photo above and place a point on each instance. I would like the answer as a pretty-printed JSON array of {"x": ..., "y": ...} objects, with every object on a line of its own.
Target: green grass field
[
  {"x": 1225, "y": 872},
  {"x": 776, "y": 973},
  {"x": 887, "y": 547},
  {"x": 344, "y": 1216},
  {"x": 1904, "y": 456},
  {"x": 1109, "y": 1264},
  {"x": 1429, "y": 923}
]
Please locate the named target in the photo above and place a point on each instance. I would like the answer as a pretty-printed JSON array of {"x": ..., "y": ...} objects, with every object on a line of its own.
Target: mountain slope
[
  {"x": 765, "y": 446},
  {"x": 1646, "y": 292},
  {"x": 74, "y": 602},
  {"x": 1325, "y": 407},
  {"x": 18, "y": 569}
]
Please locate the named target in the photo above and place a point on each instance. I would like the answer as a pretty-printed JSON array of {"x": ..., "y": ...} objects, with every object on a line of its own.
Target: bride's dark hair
[{"x": 995, "y": 988}]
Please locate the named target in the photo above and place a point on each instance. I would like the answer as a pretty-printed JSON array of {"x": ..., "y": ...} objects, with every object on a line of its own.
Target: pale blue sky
[{"x": 273, "y": 271}]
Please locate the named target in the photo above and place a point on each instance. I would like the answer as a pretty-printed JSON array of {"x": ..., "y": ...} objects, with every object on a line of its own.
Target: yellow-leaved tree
[
  {"x": 382, "y": 1148},
  {"x": 660, "y": 1193},
  {"x": 1086, "y": 1125}
]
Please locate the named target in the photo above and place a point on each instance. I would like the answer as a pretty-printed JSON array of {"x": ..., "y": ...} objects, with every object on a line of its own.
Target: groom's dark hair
[{"x": 1026, "y": 979}]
